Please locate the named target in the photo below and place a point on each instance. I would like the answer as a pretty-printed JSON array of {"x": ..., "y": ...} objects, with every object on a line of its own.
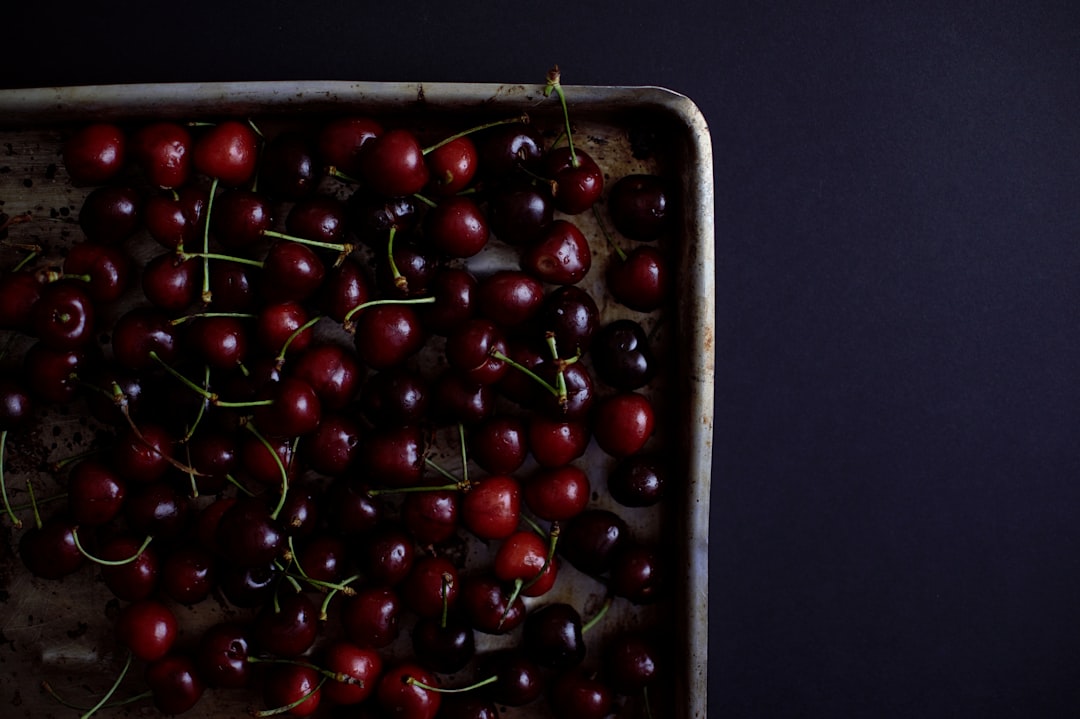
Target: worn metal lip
[{"x": 696, "y": 310}]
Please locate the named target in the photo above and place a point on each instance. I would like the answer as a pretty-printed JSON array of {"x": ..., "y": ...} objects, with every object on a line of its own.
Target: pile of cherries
[{"x": 315, "y": 397}]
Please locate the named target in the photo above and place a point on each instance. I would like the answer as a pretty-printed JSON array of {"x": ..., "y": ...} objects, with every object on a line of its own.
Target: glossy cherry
[
  {"x": 172, "y": 284},
  {"x": 639, "y": 206},
  {"x": 221, "y": 656},
  {"x": 486, "y": 603},
  {"x": 552, "y": 636},
  {"x": 491, "y": 509},
  {"x": 638, "y": 480},
  {"x": 363, "y": 665},
  {"x": 163, "y": 152},
  {"x": 187, "y": 574},
  {"x": 227, "y": 152},
  {"x": 577, "y": 181},
  {"x": 499, "y": 444},
  {"x": 392, "y": 164},
  {"x": 111, "y": 214},
  {"x": 95, "y": 154},
  {"x": 590, "y": 540},
  {"x": 63, "y": 316},
  {"x": 95, "y": 493},
  {"x": 288, "y": 627},
  {"x": 579, "y": 695},
  {"x": 555, "y": 442},
  {"x": 175, "y": 683},
  {"x": 139, "y": 332},
  {"x": 175, "y": 219},
  {"x": 510, "y": 297},
  {"x": 456, "y": 227},
  {"x": 341, "y": 142},
  {"x": 558, "y": 493},
  {"x": 371, "y": 618},
  {"x": 288, "y": 168},
  {"x": 640, "y": 281},
  {"x": 286, "y": 685},
  {"x": 561, "y": 255},
  {"x": 148, "y": 628},
  {"x": 452, "y": 166},
  {"x": 395, "y": 397},
  {"x": 622, "y": 355},
  {"x": 624, "y": 423},
  {"x": 387, "y": 335},
  {"x": 248, "y": 535},
  {"x": 107, "y": 268},
  {"x": 133, "y": 580},
  {"x": 49, "y": 551}
]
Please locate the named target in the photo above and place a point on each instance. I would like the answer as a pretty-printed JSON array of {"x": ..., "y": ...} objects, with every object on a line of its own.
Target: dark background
[{"x": 895, "y": 489}]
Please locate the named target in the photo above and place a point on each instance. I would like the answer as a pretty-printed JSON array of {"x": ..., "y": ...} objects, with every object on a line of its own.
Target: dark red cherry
[
  {"x": 590, "y": 540},
  {"x": 555, "y": 442},
  {"x": 552, "y": 636},
  {"x": 134, "y": 580},
  {"x": 95, "y": 493},
  {"x": 19, "y": 292},
  {"x": 520, "y": 680},
  {"x": 345, "y": 287},
  {"x": 638, "y": 481},
  {"x": 187, "y": 574},
  {"x": 456, "y": 399},
  {"x": 638, "y": 205},
  {"x": 510, "y": 297},
  {"x": 331, "y": 371},
  {"x": 259, "y": 463},
  {"x": 49, "y": 372},
  {"x": 295, "y": 411},
  {"x": 141, "y": 453},
  {"x": 558, "y": 493},
  {"x": 300, "y": 512},
  {"x": 351, "y": 511},
  {"x": 287, "y": 627},
  {"x": 491, "y": 509},
  {"x": 519, "y": 212},
  {"x": 387, "y": 335},
  {"x": 561, "y": 256},
  {"x": 371, "y": 217},
  {"x": 388, "y": 556},
  {"x": 641, "y": 281},
  {"x": 148, "y": 628},
  {"x": 622, "y": 356},
  {"x": 341, "y": 142},
  {"x": 227, "y": 152},
  {"x": 454, "y": 290},
  {"x": 484, "y": 600},
  {"x": 456, "y": 227},
  {"x": 371, "y": 617},
  {"x": 392, "y": 164},
  {"x": 95, "y": 154},
  {"x": 49, "y": 551},
  {"x": 248, "y": 535},
  {"x": 624, "y": 423},
  {"x": 363, "y": 665},
  {"x": 288, "y": 169},
  {"x": 393, "y": 456},
  {"x": 632, "y": 661},
  {"x": 291, "y": 272},
  {"x": 507, "y": 149},
  {"x": 240, "y": 217},
  {"x": 579, "y": 392},
  {"x": 320, "y": 218},
  {"x": 171, "y": 284},
  {"x": 141, "y": 331},
  {"x": 107, "y": 268},
  {"x": 111, "y": 214},
  {"x": 221, "y": 656},
  {"x": 292, "y": 685},
  {"x": 499, "y": 445},
  {"x": 175, "y": 219},
  {"x": 570, "y": 313},
  {"x": 323, "y": 558},
  {"x": 414, "y": 265},
  {"x": 175, "y": 684},
  {"x": 580, "y": 696},
  {"x": 157, "y": 509},
  {"x": 638, "y": 573},
  {"x": 400, "y": 698},
  {"x": 163, "y": 152},
  {"x": 444, "y": 648},
  {"x": 395, "y": 397},
  {"x": 333, "y": 447},
  {"x": 432, "y": 582},
  {"x": 471, "y": 348},
  {"x": 523, "y": 558},
  {"x": 431, "y": 517},
  {"x": 221, "y": 342},
  {"x": 64, "y": 315},
  {"x": 248, "y": 587},
  {"x": 575, "y": 186},
  {"x": 452, "y": 166},
  {"x": 233, "y": 286},
  {"x": 277, "y": 322}
]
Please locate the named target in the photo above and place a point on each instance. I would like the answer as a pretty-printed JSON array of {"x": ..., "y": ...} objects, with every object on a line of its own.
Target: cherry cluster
[{"x": 277, "y": 397}]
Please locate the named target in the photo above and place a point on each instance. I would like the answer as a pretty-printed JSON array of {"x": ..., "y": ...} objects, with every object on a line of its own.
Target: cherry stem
[
  {"x": 190, "y": 432},
  {"x": 440, "y": 690},
  {"x": 334, "y": 676},
  {"x": 427, "y": 201},
  {"x": 253, "y": 126},
  {"x": 522, "y": 368},
  {"x": 187, "y": 454},
  {"x": 26, "y": 260},
  {"x": 335, "y": 172},
  {"x": 110, "y": 562},
  {"x": 325, "y": 606},
  {"x": 290, "y": 706},
  {"x": 414, "y": 301},
  {"x": 206, "y": 394},
  {"x": 303, "y": 241},
  {"x": 236, "y": 483},
  {"x": 464, "y": 455},
  {"x": 47, "y": 688},
  {"x": 197, "y": 315},
  {"x": 444, "y": 472},
  {"x": 46, "y": 500},
  {"x": 533, "y": 525},
  {"x": 523, "y": 118},
  {"x": 607, "y": 235},
  {"x": 61, "y": 463},
  {"x": 3, "y": 486},
  {"x": 281, "y": 468},
  {"x": 206, "y": 294},
  {"x": 33, "y": 503},
  {"x": 280, "y": 359},
  {"x": 645, "y": 699},
  {"x": 207, "y": 256},
  {"x": 599, "y": 615},
  {"x": 295, "y": 560},
  {"x": 112, "y": 689},
  {"x": 518, "y": 587},
  {"x": 414, "y": 490},
  {"x": 553, "y": 83},
  {"x": 553, "y": 539},
  {"x": 444, "y": 591},
  {"x": 400, "y": 282}
]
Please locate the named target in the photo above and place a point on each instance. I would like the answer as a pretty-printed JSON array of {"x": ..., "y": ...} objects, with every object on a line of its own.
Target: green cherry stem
[
  {"x": 414, "y": 301},
  {"x": 280, "y": 359},
  {"x": 334, "y": 172},
  {"x": 522, "y": 368},
  {"x": 207, "y": 256},
  {"x": 3, "y": 485},
  {"x": 281, "y": 468},
  {"x": 313, "y": 243},
  {"x": 400, "y": 282},
  {"x": 607, "y": 235},
  {"x": 109, "y": 562},
  {"x": 197, "y": 315},
  {"x": 554, "y": 83},
  {"x": 458, "y": 690},
  {"x": 599, "y": 615},
  {"x": 236, "y": 483},
  {"x": 206, "y": 294},
  {"x": 291, "y": 705},
  {"x": 523, "y": 118},
  {"x": 108, "y": 695},
  {"x": 331, "y": 675},
  {"x": 47, "y": 688},
  {"x": 206, "y": 394},
  {"x": 464, "y": 455},
  {"x": 46, "y": 500},
  {"x": 324, "y": 608}
]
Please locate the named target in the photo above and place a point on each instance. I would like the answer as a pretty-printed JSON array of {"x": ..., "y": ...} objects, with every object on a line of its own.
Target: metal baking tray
[{"x": 60, "y": 630}]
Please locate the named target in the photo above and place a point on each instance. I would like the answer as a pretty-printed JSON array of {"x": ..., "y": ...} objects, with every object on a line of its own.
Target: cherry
[
  {"x": 295, "y": 411},
  {"x": 95, "y": 493},
  {"x": 561, "y": 255},
  {"x": 220, "y": 342},
  {"x": 64, "y": 316},
  {"x": 431, "y": 586},
  {"x": 363, "y": 665},
  {"x": 95, "y": 154},
  {"x": 638, "y": 481},
  {"x": 507, "y": 149},
  {"x": 394, "y": 456},
  {"x": 233, "y": 286},
  {"x": 148, "y": 628},
  {"x": 570, "y": 313},
  {"x": 350, "y": 511},
  {"x": 49, "y": 372},
  {"x": 334, "y": 445},
  {"x": 558, "y": 493},
  {"x": 632, "y": 662},
  {"x": 163, "y": 151},
  {"x": 392, "y": 164},
  {"x": 107, "y": 268},
  {"x": 388, "y": 556},
  {"x": 371, "y": 618},
  {"x": 552, "y": 636},
  {"x": 499, "y": 444},
  {"x": 454, "y": 290},
  {"x": 141, "y": 453},
  {"x": 443, "y": 647},
  {"x": 371, "y": 217},
  {"x": 456, "y": 227},
  {"x": 323, "y": 558},
  {"x": 331, "y": 371},
  {"x": 345, "y": 287},
  {"x": 134, "y": 580},
  {"x": 510, "y": 297},
  {"x": 320, "y": 218},
  {"x": 575, "y": 694},
  {"x": 520, "y": 680},
  {"x": 640, "y": 281},
  {"x": 111, "y": 214},
  {"x": 554, "y": 442},
  {"x": 401, "y": 698},
  {"x": 258, "y": 459},
  {"x": 579, "y": 391},
  {"x": 590, "y": 540},
  {"x": 577, "y": 181},
  {"x": 299, "y": 513},
  {"x": 248, "y": 587},
  {"x": 519, "y": 212},
  {"x": 175, "y": 219},
  {"x": 187, "y": 574},
  {"x": 172, "y": 284},
  {"x": 341, "y": 142},
  {"x": 387, "y": 335},
  {"x": 16, "y": 405},
  {"x": 291, "y": 272},
  {"x": 452, "y": 166},
  {"x": 295, "y": 686},
  {"x": 175, "y": 684},
  {"x": 287, "y": 627},
  {"x": 489, "y": 606},
  {"x": 522, "y": 558},
  {"x": 19, "y": 292},
  {"x": 491, "y": 509},
  {"x": 248, "y": 534},
  {"x": 156, "y": 509},
  {"x": 241, "y": 218},
  {"x": 141, "y": 332},
  {"x": 221, "y": 656},
  {"x": 281, "y": 322},
  {"x": 622, "y": 357},
  {"x": 411, "y": 272},
  {"x": 638, "y": 205},
  {"x": 456, "y": 399},
  {"x": 624, "y": 423},
  {"x": 431, "y": 517},
  {"x": 288, "y": 169},
  {"x": 638, "y": 574},
  {"x": 227, "y": 152},
  {"x": 49, "y": 551},
  {"x": 395, "y": 397},
  {"x": 471, "y": 348}
]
